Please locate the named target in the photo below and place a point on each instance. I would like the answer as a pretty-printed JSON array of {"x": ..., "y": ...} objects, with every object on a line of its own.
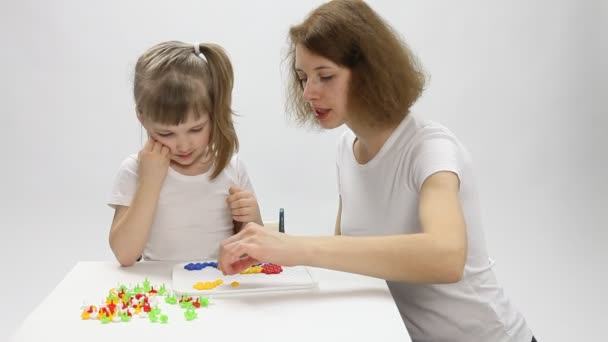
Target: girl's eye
[
  {"x": 164, "y": 134},
  {"x": 196, "y": 129}
]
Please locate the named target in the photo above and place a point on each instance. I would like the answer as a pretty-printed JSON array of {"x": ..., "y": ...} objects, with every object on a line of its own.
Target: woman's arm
[{"x": 436, "y": 255}]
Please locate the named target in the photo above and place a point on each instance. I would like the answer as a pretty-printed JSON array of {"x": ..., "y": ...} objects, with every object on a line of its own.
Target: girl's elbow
[{"x": 125, "y": 261}]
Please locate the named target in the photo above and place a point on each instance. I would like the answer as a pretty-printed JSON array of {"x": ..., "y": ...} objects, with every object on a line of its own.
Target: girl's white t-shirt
[
  {"x": 381, "y": 198},
  {"x": 192, "y": 215}
]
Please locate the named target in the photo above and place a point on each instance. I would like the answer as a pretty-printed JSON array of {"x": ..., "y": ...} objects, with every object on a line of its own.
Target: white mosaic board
[{"x": 297, "y": 278}]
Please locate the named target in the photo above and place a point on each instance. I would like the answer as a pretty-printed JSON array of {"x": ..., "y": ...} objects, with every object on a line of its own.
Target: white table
[{"x": 345, "y": 307}]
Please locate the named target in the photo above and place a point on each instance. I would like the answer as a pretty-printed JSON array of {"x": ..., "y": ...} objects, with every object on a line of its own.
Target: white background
[{"x": 523, "y": 84}]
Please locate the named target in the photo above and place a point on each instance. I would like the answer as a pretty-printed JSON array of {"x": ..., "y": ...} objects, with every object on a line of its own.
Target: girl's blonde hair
[
  {"x": 386, "y": 78},
  {"x": 172, "y": 82}
]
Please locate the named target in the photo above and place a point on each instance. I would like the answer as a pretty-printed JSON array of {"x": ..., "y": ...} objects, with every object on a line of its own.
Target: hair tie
[{"x": 197, "y": 51}]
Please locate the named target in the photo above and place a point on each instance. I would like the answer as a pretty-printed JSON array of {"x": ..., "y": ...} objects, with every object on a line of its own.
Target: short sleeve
[
  {"x": 125, "y": 183},
  {"x": 338, "y": 179},
  {"x": 436, "y": 152},
  {"x": 242, "y": 175},
  {"x": 343, "y": 148}
]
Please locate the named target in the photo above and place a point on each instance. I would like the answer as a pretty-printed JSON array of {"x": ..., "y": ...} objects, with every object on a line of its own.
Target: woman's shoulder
[
  {"x": 346, "y": 139},
  {"x": 429, "y": 130}
]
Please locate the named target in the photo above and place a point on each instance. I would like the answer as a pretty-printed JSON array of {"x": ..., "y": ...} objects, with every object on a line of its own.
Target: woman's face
[{"x": 325, "y": 86}]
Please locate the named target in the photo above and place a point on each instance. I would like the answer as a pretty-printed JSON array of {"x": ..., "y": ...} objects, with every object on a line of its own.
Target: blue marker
[{"x": 281, "y": 220}]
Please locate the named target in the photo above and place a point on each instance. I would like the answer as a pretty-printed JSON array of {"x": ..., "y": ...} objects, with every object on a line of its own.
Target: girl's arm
[
  {"x": 244, "y": 207},
  {"x": 436, "y": 255},
  {"x": 131, "y": 225},
  {"x": 338, "y": 231}
]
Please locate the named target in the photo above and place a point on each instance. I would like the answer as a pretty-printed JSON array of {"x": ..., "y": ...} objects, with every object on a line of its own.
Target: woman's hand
[{"x": 255, "y": 244}]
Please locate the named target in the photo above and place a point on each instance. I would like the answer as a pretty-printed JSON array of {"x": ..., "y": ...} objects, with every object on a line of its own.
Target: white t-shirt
[
  {"x": 192, "y": 215},
  {"x": 381, "y": 198}
]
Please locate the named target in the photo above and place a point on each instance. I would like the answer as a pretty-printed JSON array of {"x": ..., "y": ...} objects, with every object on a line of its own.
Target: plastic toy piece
[
  {"x": 125, "y": 317},
  {"x": 252, "y": 270},
  {"x": 208, "y": 285},
  {"x": 146, "y": 285},
  {"x": 204, "y": 301},
  {"x": 153, "y": 317},
  {"x": 197, "y": 266},
  {"x": 235, "y": 284},
  {"x": 190, "y": 314},
  {"x": 170, "y": 299},
  {"x": 272, "y": 269},
  {"x": 162, "y": 290},
  {"x": 164, "y": 319}
]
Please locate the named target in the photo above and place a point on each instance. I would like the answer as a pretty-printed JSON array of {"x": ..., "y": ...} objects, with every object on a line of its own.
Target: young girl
[
  {"x": 408, "y": 209},
  {"x": 186, "y": 190}
]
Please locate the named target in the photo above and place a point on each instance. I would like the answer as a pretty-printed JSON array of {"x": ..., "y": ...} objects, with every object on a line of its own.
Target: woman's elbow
[{"x": 453, "y": 275}]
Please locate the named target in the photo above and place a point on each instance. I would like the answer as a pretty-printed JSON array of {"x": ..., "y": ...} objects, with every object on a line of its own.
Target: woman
[{"x": 408, "y": 208}]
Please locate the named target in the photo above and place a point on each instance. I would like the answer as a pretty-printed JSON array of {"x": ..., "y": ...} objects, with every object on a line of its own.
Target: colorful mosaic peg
[
  {"x": 208, "y": 285},
  {"x": 197, "y": 266},
  {"x": 124, "y": 303}
]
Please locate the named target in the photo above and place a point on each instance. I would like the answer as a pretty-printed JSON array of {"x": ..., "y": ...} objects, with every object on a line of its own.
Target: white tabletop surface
[{"x": 345, "y": 307}]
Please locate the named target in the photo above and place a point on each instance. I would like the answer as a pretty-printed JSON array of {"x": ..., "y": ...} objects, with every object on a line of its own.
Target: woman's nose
[{"x": 311, "y": 91}]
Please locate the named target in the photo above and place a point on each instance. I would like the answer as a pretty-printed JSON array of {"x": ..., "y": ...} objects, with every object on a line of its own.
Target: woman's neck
[{"x": 369, "y": 141}]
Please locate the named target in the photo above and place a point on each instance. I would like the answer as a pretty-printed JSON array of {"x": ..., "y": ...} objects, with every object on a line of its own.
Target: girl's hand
[
  {"x": 255, "y": 244},
  {"x": 154, "y": 159},
  {"x": 243, "y": 206}
]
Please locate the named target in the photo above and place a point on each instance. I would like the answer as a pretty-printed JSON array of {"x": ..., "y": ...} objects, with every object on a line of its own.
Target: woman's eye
[{"x": 326, "y": 78}]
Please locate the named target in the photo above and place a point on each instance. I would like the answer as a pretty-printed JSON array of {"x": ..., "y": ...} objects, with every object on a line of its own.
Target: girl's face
[
  {"x": 325, "y": 86},
  {"x": 187, "y": 141}
]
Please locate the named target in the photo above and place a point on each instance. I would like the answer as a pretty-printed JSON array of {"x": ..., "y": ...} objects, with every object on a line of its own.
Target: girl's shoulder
[{"x": 130, "y": 163}]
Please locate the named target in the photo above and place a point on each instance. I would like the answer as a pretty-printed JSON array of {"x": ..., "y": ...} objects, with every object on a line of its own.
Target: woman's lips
[{"x": 321, "y": 114}]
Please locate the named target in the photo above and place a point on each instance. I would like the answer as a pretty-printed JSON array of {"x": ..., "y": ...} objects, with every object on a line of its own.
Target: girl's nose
[{"x": 182, "y": 145}]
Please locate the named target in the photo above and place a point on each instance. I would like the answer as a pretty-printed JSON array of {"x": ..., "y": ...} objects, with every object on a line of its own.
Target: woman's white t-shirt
[{"x": 381, "y": 198}]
